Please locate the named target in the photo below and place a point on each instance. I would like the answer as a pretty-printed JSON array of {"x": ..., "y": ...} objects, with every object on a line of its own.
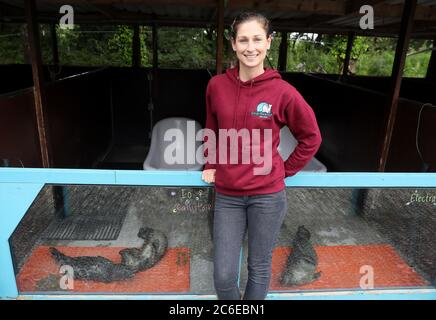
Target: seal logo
[{"x": 263, "y": 110}]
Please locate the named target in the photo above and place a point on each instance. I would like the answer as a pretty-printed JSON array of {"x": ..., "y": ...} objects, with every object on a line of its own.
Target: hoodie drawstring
[
  {"x": 248, "y": 104},
  {"x": 235, "y": 114},
  {"x": 236, "y": 104}
]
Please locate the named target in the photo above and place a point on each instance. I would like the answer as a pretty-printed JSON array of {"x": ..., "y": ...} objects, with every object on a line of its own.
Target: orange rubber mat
[
  {"x": 170, "y": 274},
  {"x": 341, "y": 265}
]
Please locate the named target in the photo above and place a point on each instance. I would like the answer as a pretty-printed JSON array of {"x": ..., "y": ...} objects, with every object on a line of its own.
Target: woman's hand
[{"x": 208, "y": 175}]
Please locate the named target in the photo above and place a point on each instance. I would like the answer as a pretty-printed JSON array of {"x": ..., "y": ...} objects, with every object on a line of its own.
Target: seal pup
[
  {"x": 302, "y": 262},
  {"x": 152, "y": 250},
  {"x": 95, "y": 268},
  {"x": 133, "y": 260}
]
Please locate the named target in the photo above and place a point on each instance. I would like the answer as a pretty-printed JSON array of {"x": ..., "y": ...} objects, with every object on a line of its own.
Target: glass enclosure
[{"x": 158, "y": 240}]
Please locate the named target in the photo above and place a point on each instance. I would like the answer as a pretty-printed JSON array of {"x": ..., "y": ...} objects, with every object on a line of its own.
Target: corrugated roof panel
[
  {"x": 43, "y": 6},
  {"x": 353, "y": 21},
  {"x": 419, "y": 2},
  {"x": 176, "y": 11},
  {"x": 205, "y": 12}
]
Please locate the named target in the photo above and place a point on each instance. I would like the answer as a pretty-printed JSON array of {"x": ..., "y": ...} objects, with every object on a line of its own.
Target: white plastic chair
[
  {"x": 287, "y": 145},
  {"x": 155, "y": 158}
]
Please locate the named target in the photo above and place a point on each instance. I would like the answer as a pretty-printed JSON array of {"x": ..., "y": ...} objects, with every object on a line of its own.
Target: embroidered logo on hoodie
[{"x": 263, "y": 110}]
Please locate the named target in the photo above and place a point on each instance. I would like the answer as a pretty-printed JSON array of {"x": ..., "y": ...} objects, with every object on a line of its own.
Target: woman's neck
[{"x": 246, "y": 74}]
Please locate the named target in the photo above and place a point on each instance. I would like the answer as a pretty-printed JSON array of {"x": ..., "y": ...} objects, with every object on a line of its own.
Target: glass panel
[
  {"x": 363, "y": 239},
  {"x": 373, "y": 238},
  {"x": 163, "y": 234}
]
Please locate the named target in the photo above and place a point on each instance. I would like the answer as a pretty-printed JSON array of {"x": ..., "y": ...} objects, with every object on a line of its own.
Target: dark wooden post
[
  {"x": 220, "y": 37},
  {"x": 136, "y": 47},
  {"x": 397, "y": 72},
  {"x": 283, "y": 52},
  {"x": 54, "y": 45},
  {"x": 154, "y": 45},
  {"x": 38, "y": 82},
  {"x": 153, "y": 77},
  {"x": 431, "y": 69},
  {"x": 350, "y": 41}
]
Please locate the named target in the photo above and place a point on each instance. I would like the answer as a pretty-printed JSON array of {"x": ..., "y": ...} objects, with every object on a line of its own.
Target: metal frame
[{"x": 19, "y": 187}]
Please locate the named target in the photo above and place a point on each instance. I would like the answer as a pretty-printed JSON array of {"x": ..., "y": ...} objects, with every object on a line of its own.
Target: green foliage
[
  {"x": 186, "y": 48},
  {"x": 418, "y": 58},
  {"x": 338, "y": 47},
  {"x": 12, "y": 43},
  {"x": 272, "y": 59},
  {"x": 379, "y": 58},
  {"x": 307, "y": 54},
  {"x": 193, "y": 48},
  {"x": 96, "y": 45}
]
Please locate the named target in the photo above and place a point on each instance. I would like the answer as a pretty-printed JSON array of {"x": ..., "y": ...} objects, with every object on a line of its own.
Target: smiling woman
[
  {"x": 251, "y": 39},
  {"x": 248, "y": 98}
]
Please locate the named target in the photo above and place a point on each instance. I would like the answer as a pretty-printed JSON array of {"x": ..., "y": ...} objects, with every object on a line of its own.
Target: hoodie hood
[
  {"x": 268, "y": 74},
  {"x": 233, "y": 75}
]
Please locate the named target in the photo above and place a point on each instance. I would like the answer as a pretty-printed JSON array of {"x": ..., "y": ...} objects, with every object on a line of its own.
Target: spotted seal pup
[
  {"x": 302, "y": 262},
  {"x": 93, "y": 268},
  {"x": 153, "y": 249},
  {"x": 133, "y": 260}
]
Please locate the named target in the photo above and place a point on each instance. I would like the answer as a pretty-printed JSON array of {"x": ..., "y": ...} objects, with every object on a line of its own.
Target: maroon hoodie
[{"x": 264, "y": 102}]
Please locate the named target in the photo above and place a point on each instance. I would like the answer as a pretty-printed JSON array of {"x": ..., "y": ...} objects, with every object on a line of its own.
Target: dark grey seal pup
[
  {"x": 153, "y": 249},
  {"x": 93, "y": 268},
  {"x": 302, "y": 262}
]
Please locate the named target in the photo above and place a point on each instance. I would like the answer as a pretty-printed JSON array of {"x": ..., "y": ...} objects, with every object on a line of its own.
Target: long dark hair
[
  {"x": 244, "y": 17},
  {"x": 248, "y": 16}
]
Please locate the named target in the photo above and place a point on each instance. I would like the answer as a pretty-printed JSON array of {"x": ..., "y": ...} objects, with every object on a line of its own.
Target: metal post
[
  {"x": 283, "y": 52},
  {"x": 350, "y": 41},
  {"x": 54, "y": 45},
  {"x": 431, "y": 69},
  {"x": 136, "y": 47},
  {"x": 154, "y": 46}
]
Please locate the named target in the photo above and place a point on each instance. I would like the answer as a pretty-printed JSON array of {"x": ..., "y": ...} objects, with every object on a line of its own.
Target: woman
[{"x": 251, "y": 195}]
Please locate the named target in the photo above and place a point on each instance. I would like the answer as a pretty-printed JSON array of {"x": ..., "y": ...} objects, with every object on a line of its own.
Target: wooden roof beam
[
  {"x": 353, "y": 6},
  {"x": 7, "y": 10},
  {"x": 309, "y": 6},
  {"x": 301, "y": 26},
  {"x": 424, "y": 13},
  {"x": 204, "y": 3},
  {"x": 386, "y": 10},
  {"x": 107, "y": 11}
]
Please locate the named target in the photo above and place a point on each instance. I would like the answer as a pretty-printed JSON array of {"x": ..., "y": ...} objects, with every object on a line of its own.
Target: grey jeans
[{"x": 262, "y": 216}]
